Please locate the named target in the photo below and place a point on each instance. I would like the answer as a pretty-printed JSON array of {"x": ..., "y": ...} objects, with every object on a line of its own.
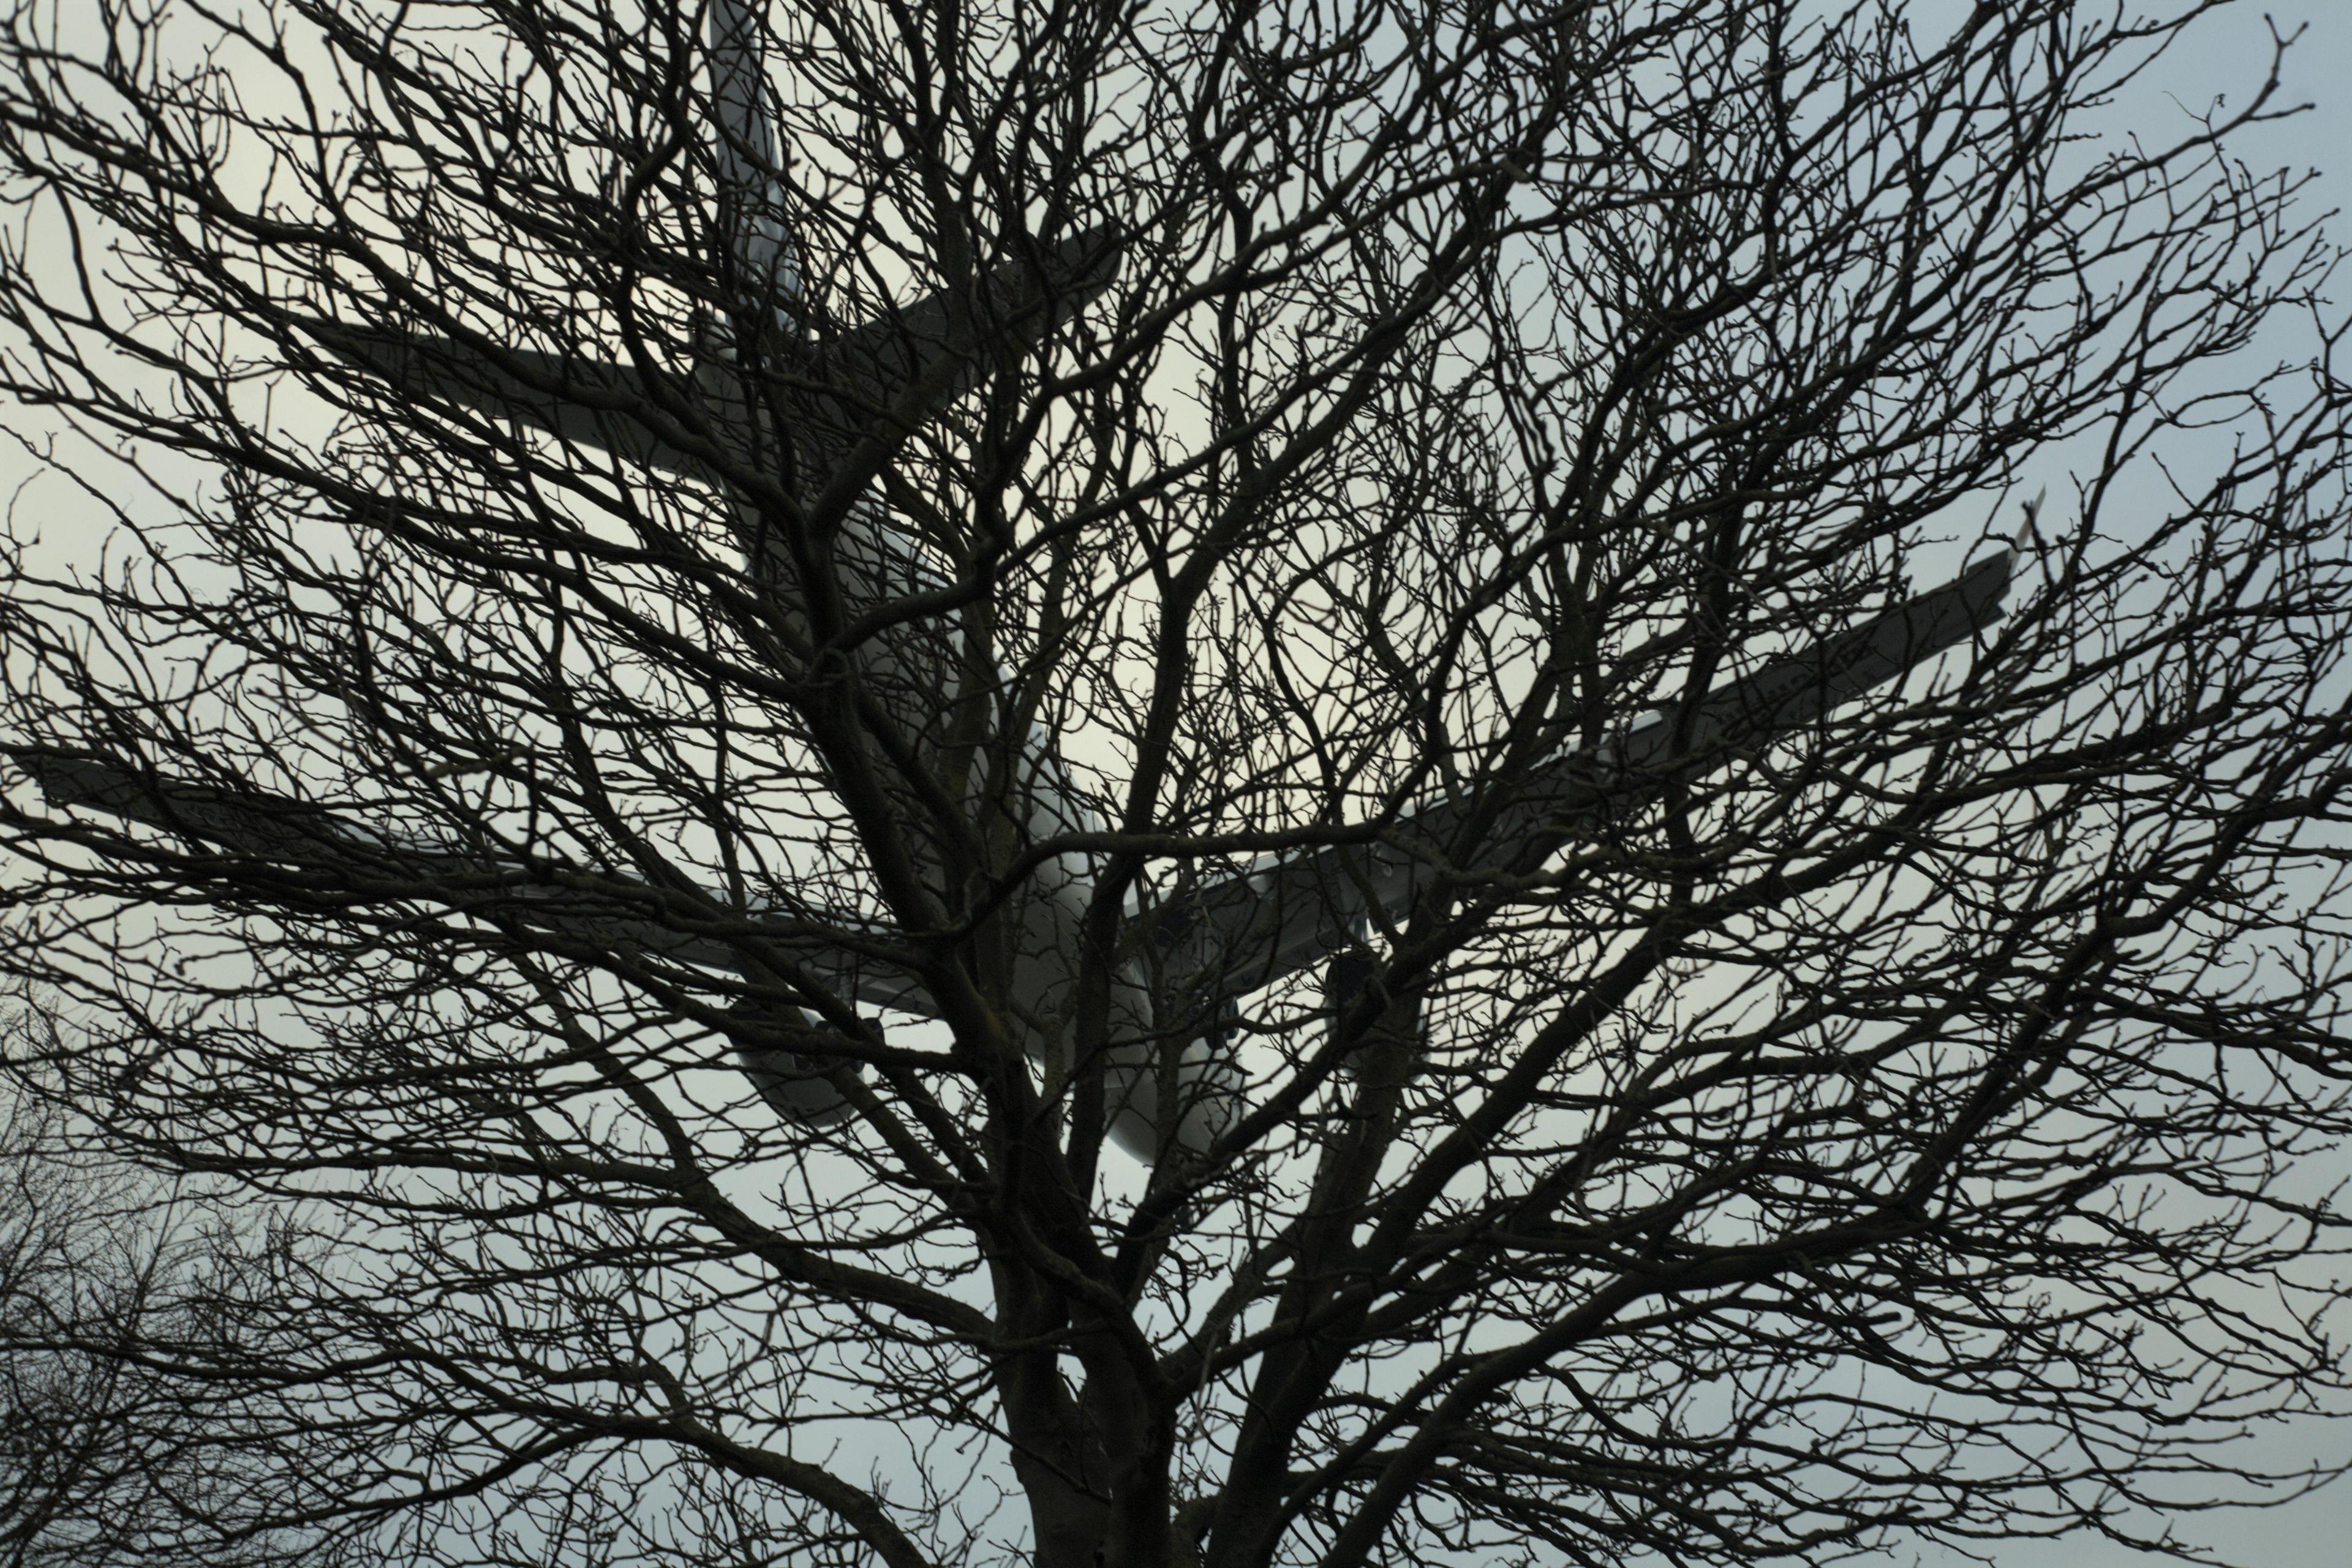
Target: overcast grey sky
[{"x": 2230, "y": 56}]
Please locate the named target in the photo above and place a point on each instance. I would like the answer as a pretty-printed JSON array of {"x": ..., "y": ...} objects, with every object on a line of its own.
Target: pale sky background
[{"x": 2229, "y": 57}]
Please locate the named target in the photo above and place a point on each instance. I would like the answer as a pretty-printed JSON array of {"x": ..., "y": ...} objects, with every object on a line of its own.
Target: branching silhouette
[
  {"x": 1150, "y": 785},
  {"x": 110, "y": 1286}
]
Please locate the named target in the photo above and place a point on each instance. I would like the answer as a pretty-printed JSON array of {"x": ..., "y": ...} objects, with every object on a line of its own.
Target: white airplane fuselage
[{"x": 1045, "y": 916}]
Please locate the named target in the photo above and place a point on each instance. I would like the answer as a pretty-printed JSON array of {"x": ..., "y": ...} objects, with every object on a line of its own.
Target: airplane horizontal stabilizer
[{"x": 858, "y": 382}]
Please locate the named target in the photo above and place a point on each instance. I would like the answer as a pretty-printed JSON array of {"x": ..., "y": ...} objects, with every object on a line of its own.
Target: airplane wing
[
  {"x": 600, "y": 910},
  {"x": 1272, "y": 921},
  {"x": 1263, "y": 924},
  {"x": 851, "y": 385}
]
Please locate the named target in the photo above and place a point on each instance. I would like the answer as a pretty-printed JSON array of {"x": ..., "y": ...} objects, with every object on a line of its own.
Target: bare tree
[
  {"x": 109, "y": 1289},
  {"x": 1161, "y": 783}
]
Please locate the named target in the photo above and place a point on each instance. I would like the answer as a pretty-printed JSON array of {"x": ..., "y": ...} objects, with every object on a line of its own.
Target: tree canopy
[{"x": 1180, "y": 784}]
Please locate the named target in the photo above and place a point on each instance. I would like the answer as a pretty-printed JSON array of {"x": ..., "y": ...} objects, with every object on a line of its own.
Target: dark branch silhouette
[{"x": 1134, "y": 788}]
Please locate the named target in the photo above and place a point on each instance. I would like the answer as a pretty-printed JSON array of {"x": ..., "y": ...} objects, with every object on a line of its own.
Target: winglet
[
  {"x": 266, "y": 826},
  {"x": 80, "y": 778}
]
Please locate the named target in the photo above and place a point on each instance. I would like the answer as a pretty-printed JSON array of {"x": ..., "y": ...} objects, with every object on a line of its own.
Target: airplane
[{"x": 853, "y": 399}]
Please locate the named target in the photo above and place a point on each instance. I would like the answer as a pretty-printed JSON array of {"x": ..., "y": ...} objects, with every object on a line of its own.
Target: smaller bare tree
[{"x": 111, "y": 1279}]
